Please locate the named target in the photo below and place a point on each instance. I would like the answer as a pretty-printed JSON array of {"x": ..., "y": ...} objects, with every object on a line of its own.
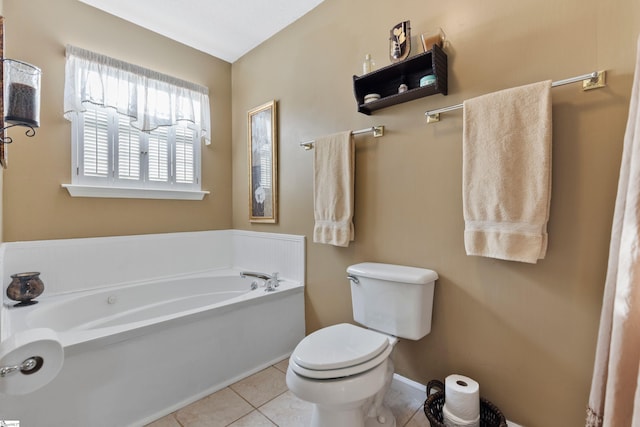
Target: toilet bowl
[{"x": 345, "y": 370}]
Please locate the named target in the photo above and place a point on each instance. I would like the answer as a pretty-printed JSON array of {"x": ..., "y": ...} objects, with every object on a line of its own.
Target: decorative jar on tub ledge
[{"x": 25, "y": 287}]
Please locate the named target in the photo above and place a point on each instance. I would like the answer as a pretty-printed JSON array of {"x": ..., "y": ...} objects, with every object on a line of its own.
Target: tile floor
[{"x": 263, "y": 400}]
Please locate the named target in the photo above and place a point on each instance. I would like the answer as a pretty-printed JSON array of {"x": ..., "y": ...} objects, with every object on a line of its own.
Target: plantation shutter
[
  {"x": 184, "y": 155},
  {"x": 95, "y": 149},
  {"x": 128, "y": 150},
  {"x": 158, "y": 153}
]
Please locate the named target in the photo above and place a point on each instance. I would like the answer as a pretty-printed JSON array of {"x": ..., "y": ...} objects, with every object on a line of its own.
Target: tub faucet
[{"x": 270, "y": 281}]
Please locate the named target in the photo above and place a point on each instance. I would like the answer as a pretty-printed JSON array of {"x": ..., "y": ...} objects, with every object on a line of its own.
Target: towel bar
[
  {"x": 378, "y": 131},
  {"x": 589, "y": 81}
]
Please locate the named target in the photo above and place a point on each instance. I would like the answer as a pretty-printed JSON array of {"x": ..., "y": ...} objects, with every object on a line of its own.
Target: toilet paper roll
[
  {"x": 451, "y": 420},
  {"x": 42, "y": 346},
  {"x": 462, "y": 397}
]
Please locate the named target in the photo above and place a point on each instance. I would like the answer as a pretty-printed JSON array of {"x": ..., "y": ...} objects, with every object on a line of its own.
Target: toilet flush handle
[{"x": 353, "y": 278}]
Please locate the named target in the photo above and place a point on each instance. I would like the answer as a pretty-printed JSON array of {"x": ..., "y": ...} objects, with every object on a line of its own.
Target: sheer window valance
[{"x": 150, "y": 99}]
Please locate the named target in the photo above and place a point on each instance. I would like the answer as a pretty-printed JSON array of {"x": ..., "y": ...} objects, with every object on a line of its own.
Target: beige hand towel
[
  {"x": 507, "y": 173},
  {"x": 333, "y": 186}
]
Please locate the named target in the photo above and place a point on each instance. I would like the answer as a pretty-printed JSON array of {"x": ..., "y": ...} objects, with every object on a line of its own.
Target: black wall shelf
[{"x": 386, "y": 81}]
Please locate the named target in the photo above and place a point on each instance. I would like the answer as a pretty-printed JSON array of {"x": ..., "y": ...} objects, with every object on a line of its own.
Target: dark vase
[{"x": 25, "y": 287}]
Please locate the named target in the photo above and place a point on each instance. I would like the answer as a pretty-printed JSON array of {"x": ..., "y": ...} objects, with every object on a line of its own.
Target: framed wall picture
[
  {"x": 263, "y": 163},
  {"x": 3, "y": 133}
]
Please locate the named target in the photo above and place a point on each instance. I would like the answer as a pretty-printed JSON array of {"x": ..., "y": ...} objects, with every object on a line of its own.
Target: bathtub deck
[{"x": 264, "y": 400}]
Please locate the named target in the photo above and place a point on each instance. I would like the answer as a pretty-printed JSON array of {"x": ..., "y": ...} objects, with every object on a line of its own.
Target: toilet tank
[{"x": 393, "y": 299}]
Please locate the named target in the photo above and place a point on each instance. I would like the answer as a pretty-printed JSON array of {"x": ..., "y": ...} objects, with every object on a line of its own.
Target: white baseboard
[{"x": 410, "y": 383}]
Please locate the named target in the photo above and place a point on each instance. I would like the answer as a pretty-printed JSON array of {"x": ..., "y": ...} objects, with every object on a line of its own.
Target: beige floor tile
[
  {"x": 277, "y": 406},
  {"x": 254, "y": 419},
  {"x": 168, "y": 421},
  {"x": 217, "y": 410},
  {"x": 404, "y": 401},
  {"x": 261, "y": 387},
  {"x": 282, "y": 365},
  {"x": 287, "y": 410},
  {"x": 419, "y": 420}
]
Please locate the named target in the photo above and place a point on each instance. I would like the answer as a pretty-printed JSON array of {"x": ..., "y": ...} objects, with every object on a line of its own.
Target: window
[
  {"x": 111, "y": 152},
  {"x": 135, "y": 132}
]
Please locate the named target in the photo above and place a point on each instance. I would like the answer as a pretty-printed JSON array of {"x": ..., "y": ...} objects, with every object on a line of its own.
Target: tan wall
[
  {"x": 36, "y": 207},
  {"x": 525, "y": 332}
]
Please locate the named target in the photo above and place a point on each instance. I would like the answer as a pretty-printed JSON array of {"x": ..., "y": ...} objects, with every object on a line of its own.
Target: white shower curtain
[{"x": 615, "y": 398}]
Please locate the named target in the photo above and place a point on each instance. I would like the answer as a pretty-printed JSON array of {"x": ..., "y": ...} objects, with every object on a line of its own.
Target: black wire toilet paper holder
[{"x": 490, "y": 414}]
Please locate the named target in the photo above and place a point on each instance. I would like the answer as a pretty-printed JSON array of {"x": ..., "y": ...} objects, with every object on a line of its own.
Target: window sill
[{"x": 132, "y": 193}]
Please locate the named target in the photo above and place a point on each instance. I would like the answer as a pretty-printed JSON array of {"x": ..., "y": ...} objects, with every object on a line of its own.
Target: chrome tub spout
[
  {"x": 262, "y": 276},
  {"x": 270, "y": 281}
]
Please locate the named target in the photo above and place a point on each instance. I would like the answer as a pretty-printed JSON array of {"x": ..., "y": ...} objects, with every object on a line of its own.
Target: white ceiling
[{"x": 226, "y": 29}]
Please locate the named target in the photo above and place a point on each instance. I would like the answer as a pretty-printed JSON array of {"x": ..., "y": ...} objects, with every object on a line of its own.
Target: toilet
[{"x": 345, "y": 370}]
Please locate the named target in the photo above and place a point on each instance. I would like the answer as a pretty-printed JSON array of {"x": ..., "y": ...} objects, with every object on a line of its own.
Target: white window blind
[{"x": 132, "y": 127}]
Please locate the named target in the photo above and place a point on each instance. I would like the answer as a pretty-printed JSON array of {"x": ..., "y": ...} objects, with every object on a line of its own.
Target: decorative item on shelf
[
  {"x": 371, "y": 97},
  {"x": 368, "y": 64},
  {"x": 429, "y": 79},
  {"x": 21, "y": 96},
  {"x": 403, "y": 85},
  {"x": 430, "y": 38},
  {"x": 400, "y": 41},
  {"x": 25, "y": 287}
]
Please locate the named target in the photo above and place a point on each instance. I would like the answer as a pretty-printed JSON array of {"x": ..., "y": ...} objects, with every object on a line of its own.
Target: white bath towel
[
  {"x": 333, "y": 187},
  {"x": 507, "y": 173}
]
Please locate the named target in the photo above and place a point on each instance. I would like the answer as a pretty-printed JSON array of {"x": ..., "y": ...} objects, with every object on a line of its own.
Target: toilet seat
[{"x": 339, "y": 351}]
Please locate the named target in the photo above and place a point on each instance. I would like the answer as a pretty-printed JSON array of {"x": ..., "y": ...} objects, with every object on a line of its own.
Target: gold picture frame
[
  {"x": 3, "y": 133},
  {"x": 263, "y": 163}
]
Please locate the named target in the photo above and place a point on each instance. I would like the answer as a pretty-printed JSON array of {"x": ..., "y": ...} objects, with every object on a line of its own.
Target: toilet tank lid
[{"x": 392, "y": 272}]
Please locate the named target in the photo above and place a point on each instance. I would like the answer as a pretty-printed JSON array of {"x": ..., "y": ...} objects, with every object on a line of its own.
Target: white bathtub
[{"x": 136, "y": 352}]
